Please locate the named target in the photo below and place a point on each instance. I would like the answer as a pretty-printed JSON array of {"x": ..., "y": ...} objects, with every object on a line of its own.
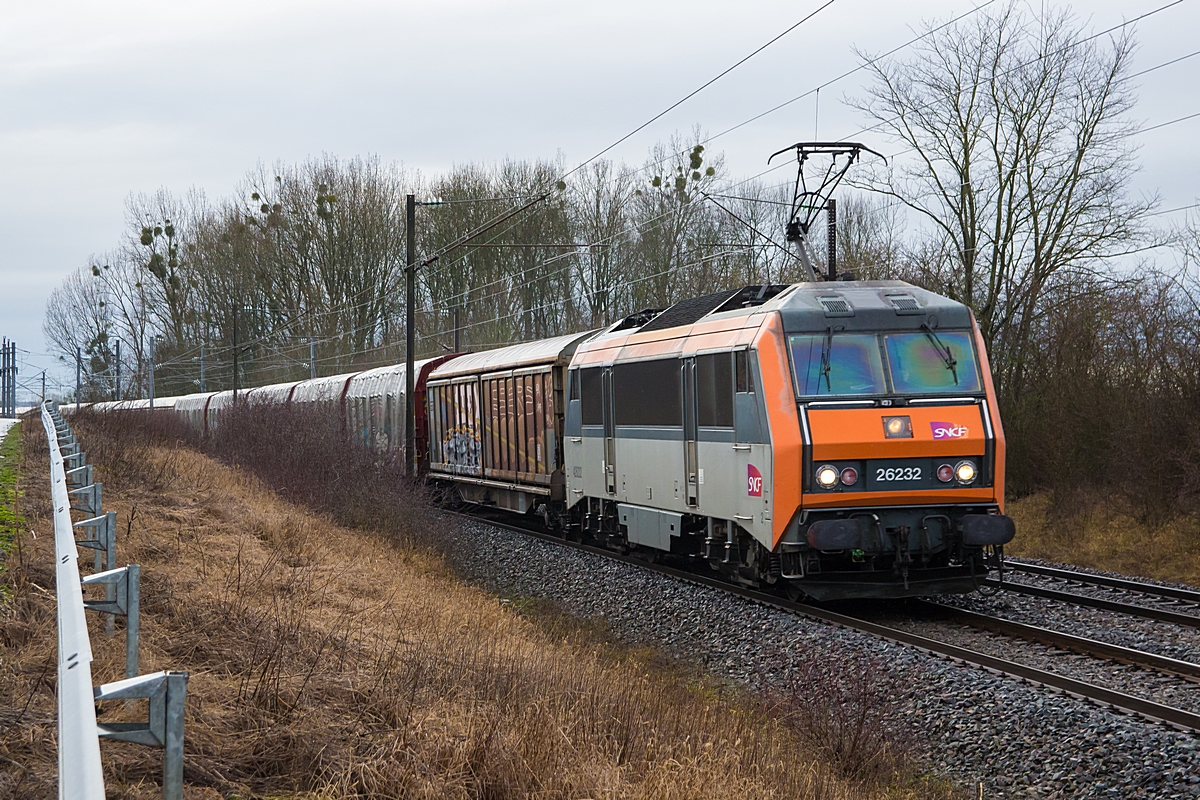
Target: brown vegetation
[
  {"x": 330, "y": 662},
  {"x": 1102, "y": 534}
]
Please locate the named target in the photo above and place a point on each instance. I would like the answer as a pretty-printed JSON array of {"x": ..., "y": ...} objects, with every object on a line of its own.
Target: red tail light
[{"x": 849, "y": 476}]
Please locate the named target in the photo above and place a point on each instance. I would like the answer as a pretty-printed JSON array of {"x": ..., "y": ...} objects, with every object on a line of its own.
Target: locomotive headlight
[
  {"x": 827, "y": 476},
  {"x": 897, "y": 427},
  {"x": 964, "y": 471}
]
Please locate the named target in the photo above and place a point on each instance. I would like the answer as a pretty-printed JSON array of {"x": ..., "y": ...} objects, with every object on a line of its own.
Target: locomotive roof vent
[
  {"x": 836, "y": 306},
  {"x": 904, "y": 304}
]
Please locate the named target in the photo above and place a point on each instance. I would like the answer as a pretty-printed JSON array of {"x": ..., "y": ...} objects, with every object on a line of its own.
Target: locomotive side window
[
  {"x": 573, "y": 385},
  {"x": 648, "y": 393},
  {"x": 745, "y": 375},
  {"x": 591, "y": 390},
  {"x": 714, "y": 390}
]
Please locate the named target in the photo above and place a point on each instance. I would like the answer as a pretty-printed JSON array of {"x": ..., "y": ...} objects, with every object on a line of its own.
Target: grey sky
[{"x": 101, "y": 100}]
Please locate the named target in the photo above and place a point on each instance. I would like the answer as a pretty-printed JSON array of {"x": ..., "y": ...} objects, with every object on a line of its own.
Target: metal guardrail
[{"x": 79, "y": 770}]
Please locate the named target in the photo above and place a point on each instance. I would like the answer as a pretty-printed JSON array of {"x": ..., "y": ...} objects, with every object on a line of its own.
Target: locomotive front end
[{"x": 903, "y": 454}]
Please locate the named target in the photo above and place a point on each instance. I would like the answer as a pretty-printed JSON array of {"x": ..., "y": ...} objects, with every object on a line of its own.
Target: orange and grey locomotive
[{"x": 839, "y": 439}]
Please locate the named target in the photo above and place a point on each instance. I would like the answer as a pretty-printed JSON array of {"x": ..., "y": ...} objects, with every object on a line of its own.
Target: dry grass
[
  {"x": 1100, "y": 534},
  {"x": 328, "y": 662}
]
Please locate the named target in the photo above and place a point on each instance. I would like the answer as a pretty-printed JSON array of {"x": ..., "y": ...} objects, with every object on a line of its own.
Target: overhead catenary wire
[
  {"x": 1164, "y": 64},
  {"x": 693, "y": 93},
  {"x": 1170, "y": 122},
  {"x": 699, "y": 89},
  {"x": 1173, "y": 210}
]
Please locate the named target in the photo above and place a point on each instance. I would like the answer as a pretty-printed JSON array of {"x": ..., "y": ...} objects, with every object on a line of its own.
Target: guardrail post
[
  {"x": 79, "y": 476},
  {"x": 92, "y": 497},
  {"x": 173, "y": 736},
  {"x": 167, "y": 693},
  {"x": 125, "y": 583},
  {"x": 105, "y": 545}
]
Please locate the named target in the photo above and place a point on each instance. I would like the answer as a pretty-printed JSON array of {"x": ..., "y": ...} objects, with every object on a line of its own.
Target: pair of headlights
[{"x": 828, "y": 476}]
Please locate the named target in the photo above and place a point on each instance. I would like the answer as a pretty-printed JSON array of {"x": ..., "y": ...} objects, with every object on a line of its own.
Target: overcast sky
[{"x": 101, "y": 100}]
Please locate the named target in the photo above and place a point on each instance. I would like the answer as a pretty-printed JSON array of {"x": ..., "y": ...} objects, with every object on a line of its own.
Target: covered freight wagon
[
  {"x": 375, "y": 404},
  {"x": 495, "y": 422}
]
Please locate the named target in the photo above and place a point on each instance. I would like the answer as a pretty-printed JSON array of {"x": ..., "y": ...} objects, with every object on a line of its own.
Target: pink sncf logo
[
  {"x": 753, "y": 481},
  {"x": 948, "y": 430}
]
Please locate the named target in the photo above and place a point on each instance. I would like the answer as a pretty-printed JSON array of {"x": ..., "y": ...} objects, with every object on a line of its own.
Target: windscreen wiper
[
  {"x": 826, "y": 347},
  {"x": 943, "y": 350}
]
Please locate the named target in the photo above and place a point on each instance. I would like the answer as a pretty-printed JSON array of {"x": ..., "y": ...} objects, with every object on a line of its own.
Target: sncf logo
[
  {"x": 948, "y": 430},
  {"x": 753, "y": 481}
]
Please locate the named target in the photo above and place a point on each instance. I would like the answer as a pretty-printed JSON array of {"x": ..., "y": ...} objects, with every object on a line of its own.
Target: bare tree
[
  {"x": 869, "y": 241},
  {"x": 77, "y": 325},
  {"x": 601, "y": 198},
  {"x": 1019, "y": 131},
  {"x": 675, "y": 227}
]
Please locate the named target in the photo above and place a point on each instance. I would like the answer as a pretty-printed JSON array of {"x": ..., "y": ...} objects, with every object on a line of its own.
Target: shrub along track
[{"x": 1177, "y": 718}]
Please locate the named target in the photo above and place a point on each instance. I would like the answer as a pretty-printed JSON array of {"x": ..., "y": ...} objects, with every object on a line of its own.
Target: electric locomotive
[{"x": 837, "y": 439}]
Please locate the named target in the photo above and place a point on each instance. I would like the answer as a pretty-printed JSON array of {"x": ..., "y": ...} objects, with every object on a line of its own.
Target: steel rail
[
  {"x": 1173, "y": 592},
  {"x": 1177, "y": 718},
  {"x": 80, "y": 774},
  {"x": 1131, "y": 609},
  {"x": 1067, "y": 641}
]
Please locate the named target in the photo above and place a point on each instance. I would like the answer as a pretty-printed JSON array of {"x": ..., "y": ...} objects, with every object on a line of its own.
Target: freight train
[{"x": 833, "y": 439}]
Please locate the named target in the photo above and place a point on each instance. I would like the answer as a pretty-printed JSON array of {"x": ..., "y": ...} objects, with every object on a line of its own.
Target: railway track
[
  {"x": 1067, "y": 641},
  {"x": 1132, "y": 609},
  {"x": 1177, "y": 718},
  {"x": 1173, "y": 594}
]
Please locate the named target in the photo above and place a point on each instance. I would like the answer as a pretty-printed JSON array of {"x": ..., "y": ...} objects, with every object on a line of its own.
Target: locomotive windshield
[
  {"x": 932, "y": 362},
  {"x": 837, "y": 364},
  {"x": 858, "y": 364}
]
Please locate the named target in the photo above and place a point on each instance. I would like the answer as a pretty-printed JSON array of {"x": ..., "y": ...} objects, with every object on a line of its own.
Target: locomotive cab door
[
  {"x": 610, "y": 434},
  {"x": 751, "y": 451},
  {"x": 691, "y": 467}
]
